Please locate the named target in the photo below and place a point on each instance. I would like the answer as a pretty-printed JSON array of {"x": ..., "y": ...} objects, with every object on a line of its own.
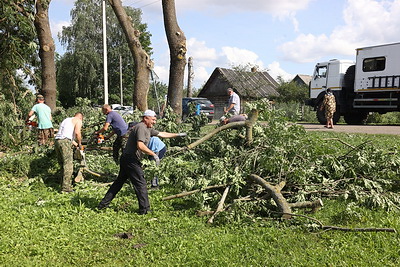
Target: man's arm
[
  {"x": 230, "y": 107},
  {"x": 78, "y": 135},
  {"x": 30, "y": 114},
  {"x": 170, "y": 135},
  {"x": 142, "y": 147},
  {"x": 105, "y": 128}
]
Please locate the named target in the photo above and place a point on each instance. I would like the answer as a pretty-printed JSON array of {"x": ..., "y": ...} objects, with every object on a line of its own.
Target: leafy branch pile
[{"x": 311, "y": 167}]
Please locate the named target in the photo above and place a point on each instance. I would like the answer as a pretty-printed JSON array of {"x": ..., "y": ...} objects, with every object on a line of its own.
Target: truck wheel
[
  {"x": 321, "y": 116},
  {"x": 356, "y": 118}
]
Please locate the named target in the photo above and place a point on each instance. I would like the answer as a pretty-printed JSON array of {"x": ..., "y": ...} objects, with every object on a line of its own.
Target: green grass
[{"x": 40, "y": 227}]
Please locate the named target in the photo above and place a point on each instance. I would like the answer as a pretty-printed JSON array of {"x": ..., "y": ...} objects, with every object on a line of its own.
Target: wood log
[
  {"x": 275, "y": 192},
  {"x": 220, "y": 205},
  {"x": 314, "y": 205},
  {"x": 183, "y": 194}
]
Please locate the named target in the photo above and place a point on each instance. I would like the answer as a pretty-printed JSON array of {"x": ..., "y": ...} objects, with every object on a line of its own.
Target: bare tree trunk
[
  {"x": 177, "y": 47},
  {"x": 190, "y": 78},
  {"x": 142, "y": 62},
  {"x": 46, "y": 53}
]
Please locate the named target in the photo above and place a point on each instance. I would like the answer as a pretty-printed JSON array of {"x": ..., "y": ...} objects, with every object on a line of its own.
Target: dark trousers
[
  {"x": 119, "y": 144},
  {"x": 129, "y": 169}
]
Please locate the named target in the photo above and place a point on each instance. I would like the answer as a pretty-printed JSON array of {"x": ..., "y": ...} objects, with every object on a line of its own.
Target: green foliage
[
  {"x": 13, "y": 131},
  {"x": 18, "y": 45},
  {"x": 55, "y": 229},
  {"x": 79, "y": 70},
  {"x": 291, "y": 91},
  {"x": 388, "y": 118}
]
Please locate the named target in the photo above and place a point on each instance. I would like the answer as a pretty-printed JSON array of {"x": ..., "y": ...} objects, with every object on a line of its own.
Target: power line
[{"x": 149, "y": 4}]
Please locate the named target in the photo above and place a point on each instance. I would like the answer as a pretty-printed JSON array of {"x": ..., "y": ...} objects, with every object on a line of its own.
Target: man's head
[
  {"x": 40, "y": 98},
  {"x": 149, "y": 118},
  {"x": 230, "y": 91},
  {"x": 79, "y": 115},
  {"x": 106, "y": 108}
]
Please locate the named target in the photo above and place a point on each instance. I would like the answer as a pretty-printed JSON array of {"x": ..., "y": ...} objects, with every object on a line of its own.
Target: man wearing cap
[
  {"x": 130, "y": 165},
  {"x": 45, "y": 126},
  {"x": 119, "y": 127},
  {"x": 233, "y": 103}
]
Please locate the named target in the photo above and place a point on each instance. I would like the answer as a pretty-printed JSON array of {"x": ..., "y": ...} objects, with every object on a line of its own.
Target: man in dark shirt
[
  {"x": 119, "y": 127},
  {"x": 130, "y": 165}
]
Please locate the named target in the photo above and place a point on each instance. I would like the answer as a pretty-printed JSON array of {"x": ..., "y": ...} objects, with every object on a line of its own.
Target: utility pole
[
  {"x": 190, "y": 77},
  {"x": 105, "y": 66},
  {"x": 120, "y": 79}
]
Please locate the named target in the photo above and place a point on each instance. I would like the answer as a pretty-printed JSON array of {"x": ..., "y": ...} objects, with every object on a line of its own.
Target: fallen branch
[
  {"x": 248, "y": 124},
  {"x": 220, "y": 205},
  {"x": 390, "y": 230},
  {"x": 106, "y": 148},
  {"x": 275, "y": 192},
  {"x": 329, "y": 227},
  {"x": 183, "y": 194},
  {"x": 341, "y": 141},
  {"x": 314, "y": 205}
]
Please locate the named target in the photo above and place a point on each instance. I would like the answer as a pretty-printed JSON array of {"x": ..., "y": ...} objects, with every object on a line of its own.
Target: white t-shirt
[{"x": 66, "y": 130}]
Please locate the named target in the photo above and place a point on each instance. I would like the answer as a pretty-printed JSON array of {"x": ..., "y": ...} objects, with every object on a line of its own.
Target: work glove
[
  {"x": 182, "y": 134},
  {"x": 157, "y": 160}
]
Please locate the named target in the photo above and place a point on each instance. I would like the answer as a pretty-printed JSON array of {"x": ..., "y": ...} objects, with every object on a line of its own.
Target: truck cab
[{"x": 328, "y": 74}]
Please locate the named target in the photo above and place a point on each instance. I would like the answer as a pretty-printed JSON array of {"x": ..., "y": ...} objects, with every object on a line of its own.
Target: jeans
[{"x": 160, "y": 154}]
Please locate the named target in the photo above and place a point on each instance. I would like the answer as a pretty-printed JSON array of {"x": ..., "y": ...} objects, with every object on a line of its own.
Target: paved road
[{"x": 369, "y": 129}]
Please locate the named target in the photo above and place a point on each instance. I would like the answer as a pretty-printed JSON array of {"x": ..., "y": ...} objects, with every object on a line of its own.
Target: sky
[{"x": 285, "y": 37}]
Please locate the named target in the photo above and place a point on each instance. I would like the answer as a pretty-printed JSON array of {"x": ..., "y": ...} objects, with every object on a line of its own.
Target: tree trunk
[
  {"x": 142, "y": 62},
  {"x": 46, "y": 53},
  {"x": 190, "y": 78},
  {"x": 177, "y": 47}
]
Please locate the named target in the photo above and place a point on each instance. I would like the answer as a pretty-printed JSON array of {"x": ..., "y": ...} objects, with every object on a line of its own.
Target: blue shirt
[
  {"x": 155, "y": 144},
  {"x": 117, "y": 122},
  {"x": 43, "y": 112}
]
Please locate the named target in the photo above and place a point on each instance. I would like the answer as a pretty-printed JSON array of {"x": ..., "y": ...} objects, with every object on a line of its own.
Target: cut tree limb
[
  {"x": 249, "y": 123},
  {"x": 275, "y": 192},
  {"x": 183, "y": 194},
  {"x": 314, "y": 205},
  {"x": 220, "y": 205}
]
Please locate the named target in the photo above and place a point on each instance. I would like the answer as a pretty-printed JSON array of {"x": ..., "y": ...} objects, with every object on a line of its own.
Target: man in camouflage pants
[{"x": 68, "y": 137}]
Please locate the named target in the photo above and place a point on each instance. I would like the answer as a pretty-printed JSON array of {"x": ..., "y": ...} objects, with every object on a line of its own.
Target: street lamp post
[{"x": 105, "y": 55}]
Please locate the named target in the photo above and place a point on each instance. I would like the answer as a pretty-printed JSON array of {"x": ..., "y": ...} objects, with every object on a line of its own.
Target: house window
[{"x": 374, "y": 64}]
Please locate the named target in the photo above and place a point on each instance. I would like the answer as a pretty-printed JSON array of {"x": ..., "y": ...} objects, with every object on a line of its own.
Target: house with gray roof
[
  {"x": 250, "y": 86},
  {"x": 302, "y": 80}
]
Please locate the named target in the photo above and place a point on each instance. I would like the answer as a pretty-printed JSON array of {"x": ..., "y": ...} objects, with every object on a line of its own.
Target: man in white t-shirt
[{"x": 68, "y": 136}]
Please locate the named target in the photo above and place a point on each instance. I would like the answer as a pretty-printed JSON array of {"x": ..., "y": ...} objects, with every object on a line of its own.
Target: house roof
[
  {"x": 304, "y": 78},
  {"x": 247, "y": 84}
]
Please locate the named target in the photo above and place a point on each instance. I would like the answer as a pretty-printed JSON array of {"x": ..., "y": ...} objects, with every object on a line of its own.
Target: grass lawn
[{"x": 40, "y": 227}]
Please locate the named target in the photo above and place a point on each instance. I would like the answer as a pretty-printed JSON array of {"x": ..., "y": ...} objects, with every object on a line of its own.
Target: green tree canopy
[
  {"x": 80, "y": 69},
  {"x": 18, "y": 48},
  {"x": 291, "y": 91}
]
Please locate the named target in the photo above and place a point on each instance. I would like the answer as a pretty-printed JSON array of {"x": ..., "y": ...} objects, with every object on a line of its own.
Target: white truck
[{"x": 371, "y": 84}]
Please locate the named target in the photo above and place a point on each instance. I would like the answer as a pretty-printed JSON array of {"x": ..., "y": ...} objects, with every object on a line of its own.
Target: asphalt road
[{"x": 368, "y": 129}]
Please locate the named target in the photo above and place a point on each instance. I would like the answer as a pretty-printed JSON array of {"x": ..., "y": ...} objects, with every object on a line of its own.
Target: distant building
[
  {"x": 249, "y": 86},
  {"x": 302, "y": 80}
]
